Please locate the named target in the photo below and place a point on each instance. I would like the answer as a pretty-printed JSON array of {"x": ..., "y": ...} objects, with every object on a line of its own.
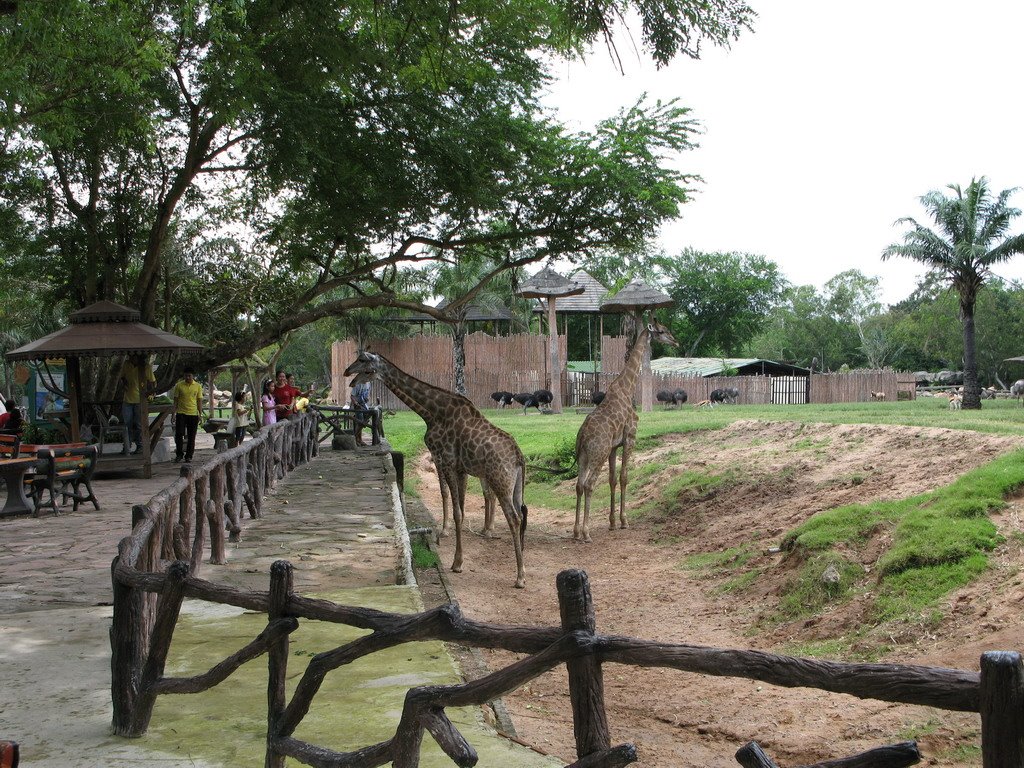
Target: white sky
[{"x": 828, "y": 122}]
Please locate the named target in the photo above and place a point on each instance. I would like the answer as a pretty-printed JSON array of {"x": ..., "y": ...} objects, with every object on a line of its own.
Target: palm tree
[{"x": 972, "y": 236}]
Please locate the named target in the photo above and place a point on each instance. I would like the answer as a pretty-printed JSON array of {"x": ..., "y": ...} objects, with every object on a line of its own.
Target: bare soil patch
[{"x": 776, "y": 475}]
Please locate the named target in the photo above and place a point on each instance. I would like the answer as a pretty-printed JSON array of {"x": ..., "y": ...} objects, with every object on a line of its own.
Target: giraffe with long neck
[
  {"x": 462, "y": 443},
  {"x": 610, "y": 426}
]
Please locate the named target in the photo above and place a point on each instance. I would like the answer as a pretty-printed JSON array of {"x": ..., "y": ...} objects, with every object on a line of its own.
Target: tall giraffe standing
[
  {"x": 462, "y": 443},
  {"x": 612, "y": 425}
]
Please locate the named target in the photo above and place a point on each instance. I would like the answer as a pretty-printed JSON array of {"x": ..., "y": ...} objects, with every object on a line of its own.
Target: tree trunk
[
  {"x": 972, "y": 390},
  {"x": 459, "y": 357}
]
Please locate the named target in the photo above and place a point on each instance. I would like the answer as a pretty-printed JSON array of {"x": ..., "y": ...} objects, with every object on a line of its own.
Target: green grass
[
  {"x": 808, "y": 591},
  {"x": 422, "y": 555}
]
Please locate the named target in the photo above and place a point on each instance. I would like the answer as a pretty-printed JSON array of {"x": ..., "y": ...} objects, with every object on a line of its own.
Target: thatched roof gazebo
[
  {"x": 549, "y": 285},
  {"x": 635, "y": 299},
  {"x": 103, "y": 329}
]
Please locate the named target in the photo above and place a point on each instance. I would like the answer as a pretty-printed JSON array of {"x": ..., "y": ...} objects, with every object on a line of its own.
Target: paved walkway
[{"x": 333, "y": 519}]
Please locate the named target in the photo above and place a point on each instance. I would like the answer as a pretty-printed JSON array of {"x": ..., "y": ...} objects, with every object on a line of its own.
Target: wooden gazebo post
[
  {"x": 636, "y": 298},
  {"x": 548, "y": 284}
]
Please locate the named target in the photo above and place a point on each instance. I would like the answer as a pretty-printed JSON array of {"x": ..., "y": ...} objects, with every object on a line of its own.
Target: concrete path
[{"x": 333, "y": 519}]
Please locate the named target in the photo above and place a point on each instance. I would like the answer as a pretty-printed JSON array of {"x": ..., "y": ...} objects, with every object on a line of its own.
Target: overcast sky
[{"x": 828, "y": 122}]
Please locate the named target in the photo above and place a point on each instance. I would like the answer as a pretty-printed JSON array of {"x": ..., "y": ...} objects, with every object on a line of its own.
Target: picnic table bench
[
  {"x": 334, "y": 421},
  {"x": 65, "y": 472}
]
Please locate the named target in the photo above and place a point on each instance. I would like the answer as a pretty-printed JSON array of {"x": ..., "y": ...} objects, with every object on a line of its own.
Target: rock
[{"x": 831, "y": 575}]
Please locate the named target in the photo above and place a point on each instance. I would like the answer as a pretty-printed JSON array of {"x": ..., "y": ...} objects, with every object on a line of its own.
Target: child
[
  {"x": 240, "y": 416},
  {"x": 268, "y": 403}
]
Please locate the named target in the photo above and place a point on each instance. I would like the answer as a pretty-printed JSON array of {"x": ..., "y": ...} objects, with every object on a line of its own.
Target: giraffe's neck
[
  {"x": 428, "y": 401},
  {"x": 625, "y": 382}
]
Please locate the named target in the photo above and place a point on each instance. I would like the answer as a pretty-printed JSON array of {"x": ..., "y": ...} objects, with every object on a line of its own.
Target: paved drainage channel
[{"x": 336, "y": 518}]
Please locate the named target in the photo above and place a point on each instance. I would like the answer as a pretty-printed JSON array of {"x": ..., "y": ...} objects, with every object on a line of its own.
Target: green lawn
[{"x": 939, "y": 540}]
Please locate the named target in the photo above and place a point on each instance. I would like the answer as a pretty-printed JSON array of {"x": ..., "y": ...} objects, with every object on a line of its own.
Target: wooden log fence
[
  {"x": 140, "y": 643},
  {"x": 170, "y": 533}
]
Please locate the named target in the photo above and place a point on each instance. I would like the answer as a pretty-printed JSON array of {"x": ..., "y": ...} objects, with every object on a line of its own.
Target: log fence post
[
  {"x": 1002, "y": 710},
  {"x": 281, "y": 588},
  {"x": 187, "y": 501},
  {"x": 168, "y": 608},
  {"x": 586, "y": 680}
]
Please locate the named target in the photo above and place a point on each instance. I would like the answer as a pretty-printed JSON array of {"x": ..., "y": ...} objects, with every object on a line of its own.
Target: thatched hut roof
[
  {"x": 586, "y": 303},
  {"x": 548, "y": 283},
  {"x": 636, "y": 296}
]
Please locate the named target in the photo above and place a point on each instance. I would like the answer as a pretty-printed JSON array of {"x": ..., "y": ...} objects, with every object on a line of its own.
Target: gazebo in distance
[
  {"x": 635, "y": 298},
  {"x": 549, "y": 285},
  {"x": 106, "y": 329}
]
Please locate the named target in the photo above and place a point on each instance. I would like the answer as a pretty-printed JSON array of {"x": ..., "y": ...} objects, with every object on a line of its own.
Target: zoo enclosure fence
[
  {"x": 519, "y": 364},
  {"x": 155, "y": 571}
]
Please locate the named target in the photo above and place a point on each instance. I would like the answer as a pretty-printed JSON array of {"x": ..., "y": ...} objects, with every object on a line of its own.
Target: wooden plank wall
[
  {"x": 519, "y": 364},
  {"x": 493, "y": 363},
  {"x": 853, "y": 387}
]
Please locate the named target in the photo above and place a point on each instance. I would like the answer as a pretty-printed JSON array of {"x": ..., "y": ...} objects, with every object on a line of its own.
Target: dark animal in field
[
  {"x": 527, "y": 400},
  {"x": 724, "y": 395},
  {"x": 502, "y": 398},
  {"x": 989, "y": 393},
  {"x": 544, "y": 398},
  {"x": 1017, "y": 390},
  {"x": 675, "y": 397},
  {"x": 597, "y": 397}
]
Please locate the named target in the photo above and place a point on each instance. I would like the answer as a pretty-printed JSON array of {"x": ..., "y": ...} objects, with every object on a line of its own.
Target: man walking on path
[
  {"x": 188, "y": 403},
  {"x": 139, "y": 382}
]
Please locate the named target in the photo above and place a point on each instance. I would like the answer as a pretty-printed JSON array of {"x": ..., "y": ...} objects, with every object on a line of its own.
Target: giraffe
[
  {"x": 462, "y": 443},
  {"x": 610, "y": 425}
]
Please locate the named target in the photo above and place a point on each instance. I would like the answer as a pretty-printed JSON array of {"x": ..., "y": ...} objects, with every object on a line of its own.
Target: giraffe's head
[
  {"x": 661, "y": 334},
  {"x": 366, "y": 364}
]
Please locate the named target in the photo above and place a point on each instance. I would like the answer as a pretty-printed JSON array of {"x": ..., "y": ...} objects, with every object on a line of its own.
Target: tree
[
  {"x": 459, "y": 284},
  {"x": 721, "y": 299},
  {"x": 338, "y": 144},
  {"x": 852, "y": 299},
  {"x": 971, "y": 238}
]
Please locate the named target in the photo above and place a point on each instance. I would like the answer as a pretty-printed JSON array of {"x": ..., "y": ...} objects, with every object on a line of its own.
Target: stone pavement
[{"x": 333, "y": 519}]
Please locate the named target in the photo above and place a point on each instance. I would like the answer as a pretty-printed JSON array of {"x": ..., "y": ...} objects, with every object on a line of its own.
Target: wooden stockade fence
[
  {"x": 519, "y": 364},
  {"x": 143, "y": 629}
]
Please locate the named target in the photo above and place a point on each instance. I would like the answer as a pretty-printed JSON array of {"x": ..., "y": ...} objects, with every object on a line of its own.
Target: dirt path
[{"x": 770, "y": 478}]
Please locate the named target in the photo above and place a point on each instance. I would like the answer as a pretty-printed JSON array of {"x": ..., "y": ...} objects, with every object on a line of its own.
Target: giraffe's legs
[
  {"x": 446, "y": 504},
  {"x": 515, "y": 521},
  {"x": 627, "y": 448},
  {"x": 611, "y": 484},
  {"x": 489, "y": 505},
  {"x": 451, "y": 479}
]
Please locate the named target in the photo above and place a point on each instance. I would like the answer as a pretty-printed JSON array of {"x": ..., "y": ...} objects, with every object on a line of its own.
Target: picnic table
[{"x": 13, "y": 472}]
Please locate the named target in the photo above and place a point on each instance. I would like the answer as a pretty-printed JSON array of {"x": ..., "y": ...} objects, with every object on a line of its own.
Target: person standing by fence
[
  {"x": 360, "y": 401},
  {"x": 187, "y": 396},
  {"x": 138, "y": 383}
]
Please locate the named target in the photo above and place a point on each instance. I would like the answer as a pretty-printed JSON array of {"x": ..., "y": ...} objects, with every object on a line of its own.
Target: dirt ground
[{"x": 780, "y": 475}]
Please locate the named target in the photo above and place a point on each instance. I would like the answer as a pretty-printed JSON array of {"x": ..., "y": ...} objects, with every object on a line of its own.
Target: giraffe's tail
[{"x": 518, "y": 499}]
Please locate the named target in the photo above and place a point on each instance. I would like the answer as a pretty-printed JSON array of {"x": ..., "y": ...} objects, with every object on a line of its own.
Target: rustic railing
[
  {"x": 997, "y": 693},
  {"x": 171, "y": 530}
]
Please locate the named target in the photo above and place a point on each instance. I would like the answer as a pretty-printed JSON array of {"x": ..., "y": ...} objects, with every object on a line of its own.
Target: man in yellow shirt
[
  {"x": 138, "y": 382},
  {"x": 187, "y": 396}
]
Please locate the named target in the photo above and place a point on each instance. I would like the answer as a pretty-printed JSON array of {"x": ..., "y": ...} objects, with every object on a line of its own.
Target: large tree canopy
[{"x": 239, "y": 168}]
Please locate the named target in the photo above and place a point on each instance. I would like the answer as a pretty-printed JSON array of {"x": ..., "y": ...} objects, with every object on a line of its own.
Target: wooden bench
[
  {"x": 10, "y": 446},
  {"x": 63, "y": 472}
]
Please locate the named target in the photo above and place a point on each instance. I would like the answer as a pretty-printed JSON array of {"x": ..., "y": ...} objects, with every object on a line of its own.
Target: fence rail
[{"x": 150, "y": 587}]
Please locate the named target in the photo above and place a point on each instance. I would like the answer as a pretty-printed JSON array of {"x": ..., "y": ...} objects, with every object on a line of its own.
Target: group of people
[{"x": 281, "y": 398}]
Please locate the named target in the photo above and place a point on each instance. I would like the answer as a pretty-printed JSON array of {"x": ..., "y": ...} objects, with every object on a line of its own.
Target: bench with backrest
[{"x": 63, "y": 472}]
